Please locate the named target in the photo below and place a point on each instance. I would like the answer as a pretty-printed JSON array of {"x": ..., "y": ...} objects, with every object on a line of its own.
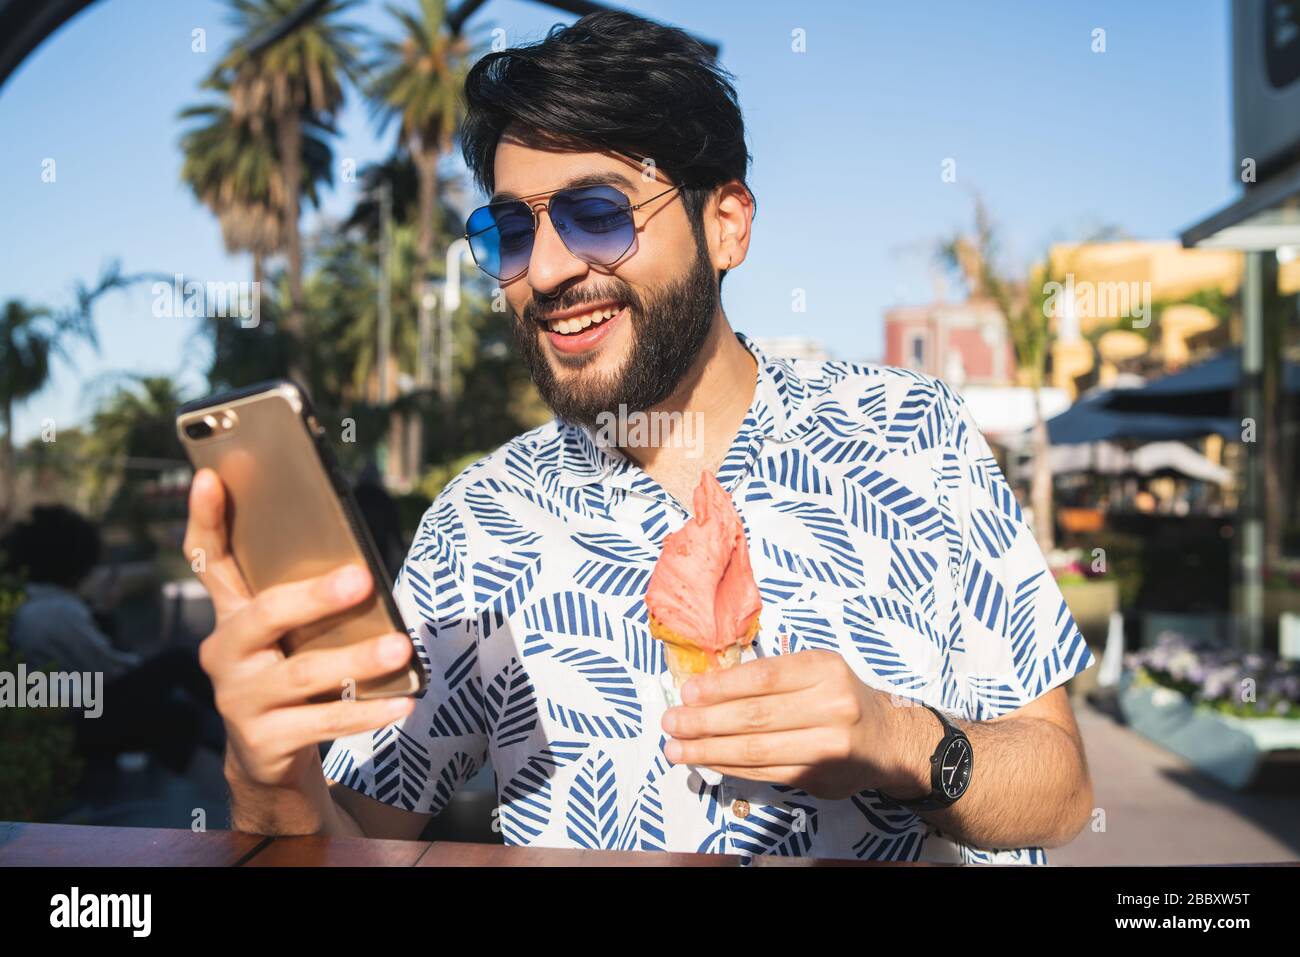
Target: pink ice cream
[{"x": 702, "y": 587}]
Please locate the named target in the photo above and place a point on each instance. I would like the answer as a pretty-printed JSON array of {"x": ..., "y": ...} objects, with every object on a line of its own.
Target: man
[
  {"x": 895, "y": 568},
  {"x": 54, "y": 552}
]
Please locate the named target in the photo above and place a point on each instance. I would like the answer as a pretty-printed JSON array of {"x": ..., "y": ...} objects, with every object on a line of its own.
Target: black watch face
[{"x": 955, "y": 768}]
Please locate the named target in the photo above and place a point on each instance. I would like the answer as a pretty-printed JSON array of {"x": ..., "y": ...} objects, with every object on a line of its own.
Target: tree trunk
[
  {"x": 1040, "y": 489},
  {"x": 426, "y": 164},
  {"x": 290, "y": 135}
]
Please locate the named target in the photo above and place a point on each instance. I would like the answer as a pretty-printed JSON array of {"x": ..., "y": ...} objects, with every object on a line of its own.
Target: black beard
[{"x": 669, "y": 328}]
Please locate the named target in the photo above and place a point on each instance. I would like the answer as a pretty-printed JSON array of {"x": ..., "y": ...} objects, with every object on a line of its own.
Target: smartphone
[{"x": 291, "y": 514}]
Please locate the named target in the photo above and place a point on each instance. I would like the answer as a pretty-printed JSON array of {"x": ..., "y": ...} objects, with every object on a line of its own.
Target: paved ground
[{"x": 1159, "y": 810}]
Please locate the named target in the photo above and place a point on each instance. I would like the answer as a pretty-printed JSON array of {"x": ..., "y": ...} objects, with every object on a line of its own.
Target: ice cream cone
[
  {"x": 702, "y": 600},
  {"x": 686, "y": 659}
]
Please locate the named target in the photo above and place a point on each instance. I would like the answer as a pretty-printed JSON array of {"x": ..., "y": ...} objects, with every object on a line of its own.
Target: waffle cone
[{"x": 686, "y": 659}]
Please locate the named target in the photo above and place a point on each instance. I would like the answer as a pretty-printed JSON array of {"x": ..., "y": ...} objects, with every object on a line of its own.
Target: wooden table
[{"x": 68, "y": 845}]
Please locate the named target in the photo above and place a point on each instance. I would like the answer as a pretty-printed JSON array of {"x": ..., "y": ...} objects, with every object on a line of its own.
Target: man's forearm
[
  {"x": 309, "y": 809},
  {"x": 1029, "y": 786}
]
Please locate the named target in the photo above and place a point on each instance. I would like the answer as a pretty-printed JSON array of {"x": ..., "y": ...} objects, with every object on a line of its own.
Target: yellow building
[{"x": 1104, "y": 306}]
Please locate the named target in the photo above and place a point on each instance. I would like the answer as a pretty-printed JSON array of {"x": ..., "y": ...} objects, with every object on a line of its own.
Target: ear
[{"x": 728, "y": 224}]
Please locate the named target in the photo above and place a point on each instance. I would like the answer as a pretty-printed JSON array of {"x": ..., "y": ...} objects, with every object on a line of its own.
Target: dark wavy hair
[
  {"x": 55, "y": 545},
  {"x": 613, "y": 81}
]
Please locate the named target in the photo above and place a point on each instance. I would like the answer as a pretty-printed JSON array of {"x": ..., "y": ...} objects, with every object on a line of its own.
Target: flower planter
[
  {"x": 1224, "y": 747},
  {"x": 1092, "y": 603}
]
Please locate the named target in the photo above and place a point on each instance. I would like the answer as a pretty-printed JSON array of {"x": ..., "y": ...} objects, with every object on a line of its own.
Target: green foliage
[
  {"x": 136, "y": 421},
  {"x": 437, "y": 477},
  {"x": 1124, "y": 563},
  {"x": 302, "y": 70},
  {"x": 418, "y": 78},
  {"x": 232, "y": 165},
  {"x": 39, "y": 767}
]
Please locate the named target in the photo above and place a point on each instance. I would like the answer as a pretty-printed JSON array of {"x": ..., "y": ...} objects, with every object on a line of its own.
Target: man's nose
[{"x": 551, "y": 265}]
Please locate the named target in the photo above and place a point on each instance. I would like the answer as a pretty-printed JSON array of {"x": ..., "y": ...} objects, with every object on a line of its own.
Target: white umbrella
[{"x": 1107, "y": 458}]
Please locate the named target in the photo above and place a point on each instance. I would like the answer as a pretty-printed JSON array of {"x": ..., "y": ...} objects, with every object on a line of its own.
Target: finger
[
  {"x": 261, "y": 622},
  {"x": 762, "y": 676},
  {"x": 795, "y": 774},
  {"x": 309, "y": 724},
  {"x": 207, "y": 544},
  {"x": 812, "y": 746},
  {"x": 331, "y": 670},
  {"x": 788, "y": 711}
]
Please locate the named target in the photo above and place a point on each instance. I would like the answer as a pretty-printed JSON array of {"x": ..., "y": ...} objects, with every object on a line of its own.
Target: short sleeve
[
  {"x": 419, "y": 762},
  {"x": 1015, "y": 639}
]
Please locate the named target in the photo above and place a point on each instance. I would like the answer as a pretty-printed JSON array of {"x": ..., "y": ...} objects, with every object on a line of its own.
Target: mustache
[{"x": 536, "y": 309}]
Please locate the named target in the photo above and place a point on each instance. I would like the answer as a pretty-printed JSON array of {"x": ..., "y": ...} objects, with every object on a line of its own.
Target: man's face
[{"x": 597, "y": 337}]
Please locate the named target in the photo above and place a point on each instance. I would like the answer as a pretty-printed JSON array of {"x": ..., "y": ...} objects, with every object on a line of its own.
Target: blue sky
[{"x": 848, "y": 139}]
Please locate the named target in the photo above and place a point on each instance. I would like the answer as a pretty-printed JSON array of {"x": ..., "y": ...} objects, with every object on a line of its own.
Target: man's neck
[{"x": 707, "y": 409}]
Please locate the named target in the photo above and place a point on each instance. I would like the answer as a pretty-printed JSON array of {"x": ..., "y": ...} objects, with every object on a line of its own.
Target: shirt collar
[{"x": 779, "y": 411}]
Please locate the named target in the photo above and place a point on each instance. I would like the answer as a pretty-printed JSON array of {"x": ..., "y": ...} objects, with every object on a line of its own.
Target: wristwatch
[{"x": 950, "y": 770}]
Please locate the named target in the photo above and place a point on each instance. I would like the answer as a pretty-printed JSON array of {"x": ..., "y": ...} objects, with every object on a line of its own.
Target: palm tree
[
  {"x": 30, "y": 337},
  {"x": 975, "y": 257},
  {"x": 134, "y": 426},
  {"x": 27, "y": 339},
  {"x": 274, "y": 86},
  {"x": 418, "y": 81},
  {"x": 233, "y": 168}
]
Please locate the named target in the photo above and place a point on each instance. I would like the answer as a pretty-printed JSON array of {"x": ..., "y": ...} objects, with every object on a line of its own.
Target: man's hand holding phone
[{"x": 273, "y": 729}]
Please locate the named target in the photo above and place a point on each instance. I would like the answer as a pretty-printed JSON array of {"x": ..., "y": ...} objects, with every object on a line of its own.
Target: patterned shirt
[{"x": 879, "y": 526}]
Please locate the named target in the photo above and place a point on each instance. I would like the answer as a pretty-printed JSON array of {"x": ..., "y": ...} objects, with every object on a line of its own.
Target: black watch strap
[{"x": 936, "y": 799}]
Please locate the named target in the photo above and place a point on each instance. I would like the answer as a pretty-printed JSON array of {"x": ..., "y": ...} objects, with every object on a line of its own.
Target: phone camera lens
[{"x": 198, "y": 430}]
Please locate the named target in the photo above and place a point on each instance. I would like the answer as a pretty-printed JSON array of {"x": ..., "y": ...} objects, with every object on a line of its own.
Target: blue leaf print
[
  {"x": 783, "y": 830},
  {"x": 806, "y": 626},
  {"x": 911, "y": 570},
  {"x": 511, "y": 706},
  {"x": 914, "y": 511},
  {"x": 644, "y": 828},
  {"x": 401, "y": 765},
  {"x": 795, "y": 470},
  {"x": 982, "y": 593},
  {"x": 593, "y": 804},
  {"x": 611, "y": 681},
  {"x": 569, "y": 613},
  {"x": 892, "y": 834},
  {"x": 487, "y": 503},
  {"x": 502, "y": 581},
  {"x": 830, "y": 532},
  {"x": 526, "y": 799}
]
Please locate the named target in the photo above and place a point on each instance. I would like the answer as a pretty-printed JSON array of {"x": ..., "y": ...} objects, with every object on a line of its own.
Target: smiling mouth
[{"x": 572, "y": 325}]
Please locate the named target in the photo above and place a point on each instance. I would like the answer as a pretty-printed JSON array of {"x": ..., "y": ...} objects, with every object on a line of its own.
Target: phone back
[{"x": 291, "y": 515}]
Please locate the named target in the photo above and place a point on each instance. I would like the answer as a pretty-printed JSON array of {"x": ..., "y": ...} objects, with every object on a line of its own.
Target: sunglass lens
[
  {"x": 501, "y": 238},
  {"x": 595, "y": 223}
]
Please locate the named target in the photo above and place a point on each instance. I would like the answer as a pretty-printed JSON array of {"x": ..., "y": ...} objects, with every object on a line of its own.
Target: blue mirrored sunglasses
[{"x": 595, "y": 224}]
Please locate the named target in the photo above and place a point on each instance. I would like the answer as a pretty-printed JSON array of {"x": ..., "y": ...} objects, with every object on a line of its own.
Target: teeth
[{"x": 577, "y": 323}]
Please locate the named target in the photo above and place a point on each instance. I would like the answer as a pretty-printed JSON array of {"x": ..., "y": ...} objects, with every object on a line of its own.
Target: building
[
  {"x": 963, "y": 343},
  {"x": 1135, "y": 307}
]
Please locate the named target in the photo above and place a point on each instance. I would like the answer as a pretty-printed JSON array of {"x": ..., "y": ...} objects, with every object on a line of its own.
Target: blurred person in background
[{"x": 157, "y": 704}]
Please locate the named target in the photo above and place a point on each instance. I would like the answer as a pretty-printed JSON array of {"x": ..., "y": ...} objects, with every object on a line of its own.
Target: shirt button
[{"x": 740, "y": 808}]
